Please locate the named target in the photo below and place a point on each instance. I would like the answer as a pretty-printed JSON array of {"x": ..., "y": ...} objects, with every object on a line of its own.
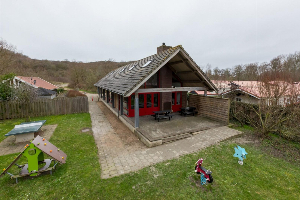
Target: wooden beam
[
  {"x": 121, "y": 104},
  {"x": 113, "y": 99},
  {"x": 177, "y": 89},
  {"x": 107, "y": 96},
  {"x": 189, "y": 65},
  {"x": 176, "y": 62},
  {"x": 202, "y": 77},
  {"x": 136, "y": 111},
  {"x": 192, "y": 81},
  {"x": 186, "y": 72},
  {"x": 172, "y": 69}
]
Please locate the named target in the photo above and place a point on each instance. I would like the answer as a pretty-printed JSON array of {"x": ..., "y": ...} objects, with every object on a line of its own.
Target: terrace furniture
[
  {"x": 188, "y": 111},
  {"x": 25, "y": 131},
  {"x": 163, "y": 114}
]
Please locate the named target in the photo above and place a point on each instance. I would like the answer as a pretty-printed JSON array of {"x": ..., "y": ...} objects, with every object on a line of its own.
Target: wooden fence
[
  {"x": 211, "y": 107},
  {"x": 43, "y": 107}
]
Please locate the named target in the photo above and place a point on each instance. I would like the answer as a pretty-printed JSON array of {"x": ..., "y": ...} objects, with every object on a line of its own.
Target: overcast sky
[{"x": 223, "y": 33}]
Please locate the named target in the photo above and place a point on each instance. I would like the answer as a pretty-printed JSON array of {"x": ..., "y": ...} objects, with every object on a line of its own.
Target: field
[{"x": 263, "y": 175}]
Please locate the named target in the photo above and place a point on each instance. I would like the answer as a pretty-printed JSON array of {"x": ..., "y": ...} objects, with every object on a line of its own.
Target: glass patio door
[{"x": 176, "y": 101}]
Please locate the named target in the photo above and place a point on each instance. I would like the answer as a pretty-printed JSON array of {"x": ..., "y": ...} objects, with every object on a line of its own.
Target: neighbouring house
[
  {"x": 222, "y": 86},
  {"x": 157, "y": 82},
  {"x": 255, "y": 91},
  {"x": 43, "y": 88},
  {"x": 243, "y": 91},
  {"x": 208, "y": 93}
]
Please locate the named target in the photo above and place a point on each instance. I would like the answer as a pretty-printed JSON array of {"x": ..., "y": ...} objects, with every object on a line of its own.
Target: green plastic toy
[{"x": 34, "y": 152}]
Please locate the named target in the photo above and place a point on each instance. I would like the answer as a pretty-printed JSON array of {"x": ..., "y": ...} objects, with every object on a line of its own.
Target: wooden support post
[
  {"x": 107, "y": 96},
  {"x": 136, "y": 111},
  {"x": 99, "y": 92},
  {"x": 112, "y": 99},
  {"x": 103, "y": 94},
  {"x": 121, "y": 103},
  {"x": 205, "y": 92},
  {"x": 118, "y": 105}
]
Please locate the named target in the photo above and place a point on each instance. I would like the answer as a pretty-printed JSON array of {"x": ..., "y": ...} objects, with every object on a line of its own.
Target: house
[
  {"x": 157, "y": 82},
  {"x": 254, "y": 92},
  {"x": 208, "y": 93},
  {"x": 43, "y": 88},
  {"x": 222, "y": 86},
  {"x": 243, "y": 91}
]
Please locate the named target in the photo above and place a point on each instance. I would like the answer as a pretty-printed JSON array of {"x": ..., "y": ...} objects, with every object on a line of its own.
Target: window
[
  {"x": 152, "y": 82},
  {"x": 141, "y": 101},
  {"x": 132, "y": 101},
  {"x": 238, "y": 99},
  {"x": 125, "y": 102},
  {"x": 131, "y": 67},
  {"x": 155, "y": 103},
  {"x": 147, "y": 63},
  {"x": 149, "y": 100},
  {"x": 122, "y": 70},
  {"x": 178, "y": 98},
  {"x": 173, "y": 98}
]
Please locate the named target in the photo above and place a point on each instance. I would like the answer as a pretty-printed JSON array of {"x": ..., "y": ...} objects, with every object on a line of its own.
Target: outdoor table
[
  {"x": 188, "y": 110},
  {"x": 165, "y": 112},
  {"x": 25, "y": 131}
]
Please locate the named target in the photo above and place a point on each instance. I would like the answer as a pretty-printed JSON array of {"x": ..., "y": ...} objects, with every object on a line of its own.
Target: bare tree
[
  {"x": 6, "y": 56},
  {"x": 276, "y": 107}
]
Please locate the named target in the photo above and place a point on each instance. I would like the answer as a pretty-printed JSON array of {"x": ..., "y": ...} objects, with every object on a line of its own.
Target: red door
[
  {"x": 152, "y": 104},
  {"x": 148, "y": 102},
  {"x": 176, "y": 101}
]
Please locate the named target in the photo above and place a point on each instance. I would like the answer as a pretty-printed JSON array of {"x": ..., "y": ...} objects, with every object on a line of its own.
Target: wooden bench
[{"x": 158, "y": 117}]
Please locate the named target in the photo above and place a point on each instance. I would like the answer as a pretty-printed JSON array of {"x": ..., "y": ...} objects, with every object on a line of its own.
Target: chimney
[
  {"x": 163, "y": 47},
  {"x": 34, "y": 82}
]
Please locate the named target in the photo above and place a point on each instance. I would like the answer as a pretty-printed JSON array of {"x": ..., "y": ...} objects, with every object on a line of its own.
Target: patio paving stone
[{"x": 116, "y": 157}]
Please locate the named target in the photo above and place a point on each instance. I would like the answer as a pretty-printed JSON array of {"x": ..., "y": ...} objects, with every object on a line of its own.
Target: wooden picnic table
[{"x": 162, "y": 114}]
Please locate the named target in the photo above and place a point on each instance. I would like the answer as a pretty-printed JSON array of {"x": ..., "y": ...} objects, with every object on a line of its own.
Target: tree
[
  {"x": 238, "y": 72},
  {"x": 7, "y": 52},
  {"x": 277, "y": 105},
  {"x": 6, "y": 89}
]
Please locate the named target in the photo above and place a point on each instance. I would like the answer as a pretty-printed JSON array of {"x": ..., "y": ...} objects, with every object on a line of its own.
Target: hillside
[{"x": 77, "y": 74}]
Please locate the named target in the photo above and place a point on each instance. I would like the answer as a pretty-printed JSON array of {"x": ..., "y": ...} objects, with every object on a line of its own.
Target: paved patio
[
  {"x": 178, "y": 125},
  {"x": 117, "y": 158}
]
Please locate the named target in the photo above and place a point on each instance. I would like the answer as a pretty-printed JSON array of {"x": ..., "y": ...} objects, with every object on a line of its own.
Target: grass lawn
[{"x": 261, "y": 177}]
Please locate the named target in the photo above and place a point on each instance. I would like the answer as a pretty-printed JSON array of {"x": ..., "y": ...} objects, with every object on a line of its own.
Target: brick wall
[
  {"x": 211, "y": 107},
  {"x": 165, "y": 81},
  {"x": 162, "y": 48}
]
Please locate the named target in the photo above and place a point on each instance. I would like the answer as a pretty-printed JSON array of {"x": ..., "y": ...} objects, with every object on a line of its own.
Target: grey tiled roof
[
  {"x": 44, "y": 92},
  {"x": 126, "y": 78}
]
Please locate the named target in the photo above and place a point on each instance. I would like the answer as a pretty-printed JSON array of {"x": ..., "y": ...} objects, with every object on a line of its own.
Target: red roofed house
[
  {"x": 255, "y": 91},
  {"x": 44, "y": 88}
]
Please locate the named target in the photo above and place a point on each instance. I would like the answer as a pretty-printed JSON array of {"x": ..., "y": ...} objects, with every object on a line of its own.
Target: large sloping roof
[
  {"x": 37, "y": 82},
  {"x": 125, "y": 80}
]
